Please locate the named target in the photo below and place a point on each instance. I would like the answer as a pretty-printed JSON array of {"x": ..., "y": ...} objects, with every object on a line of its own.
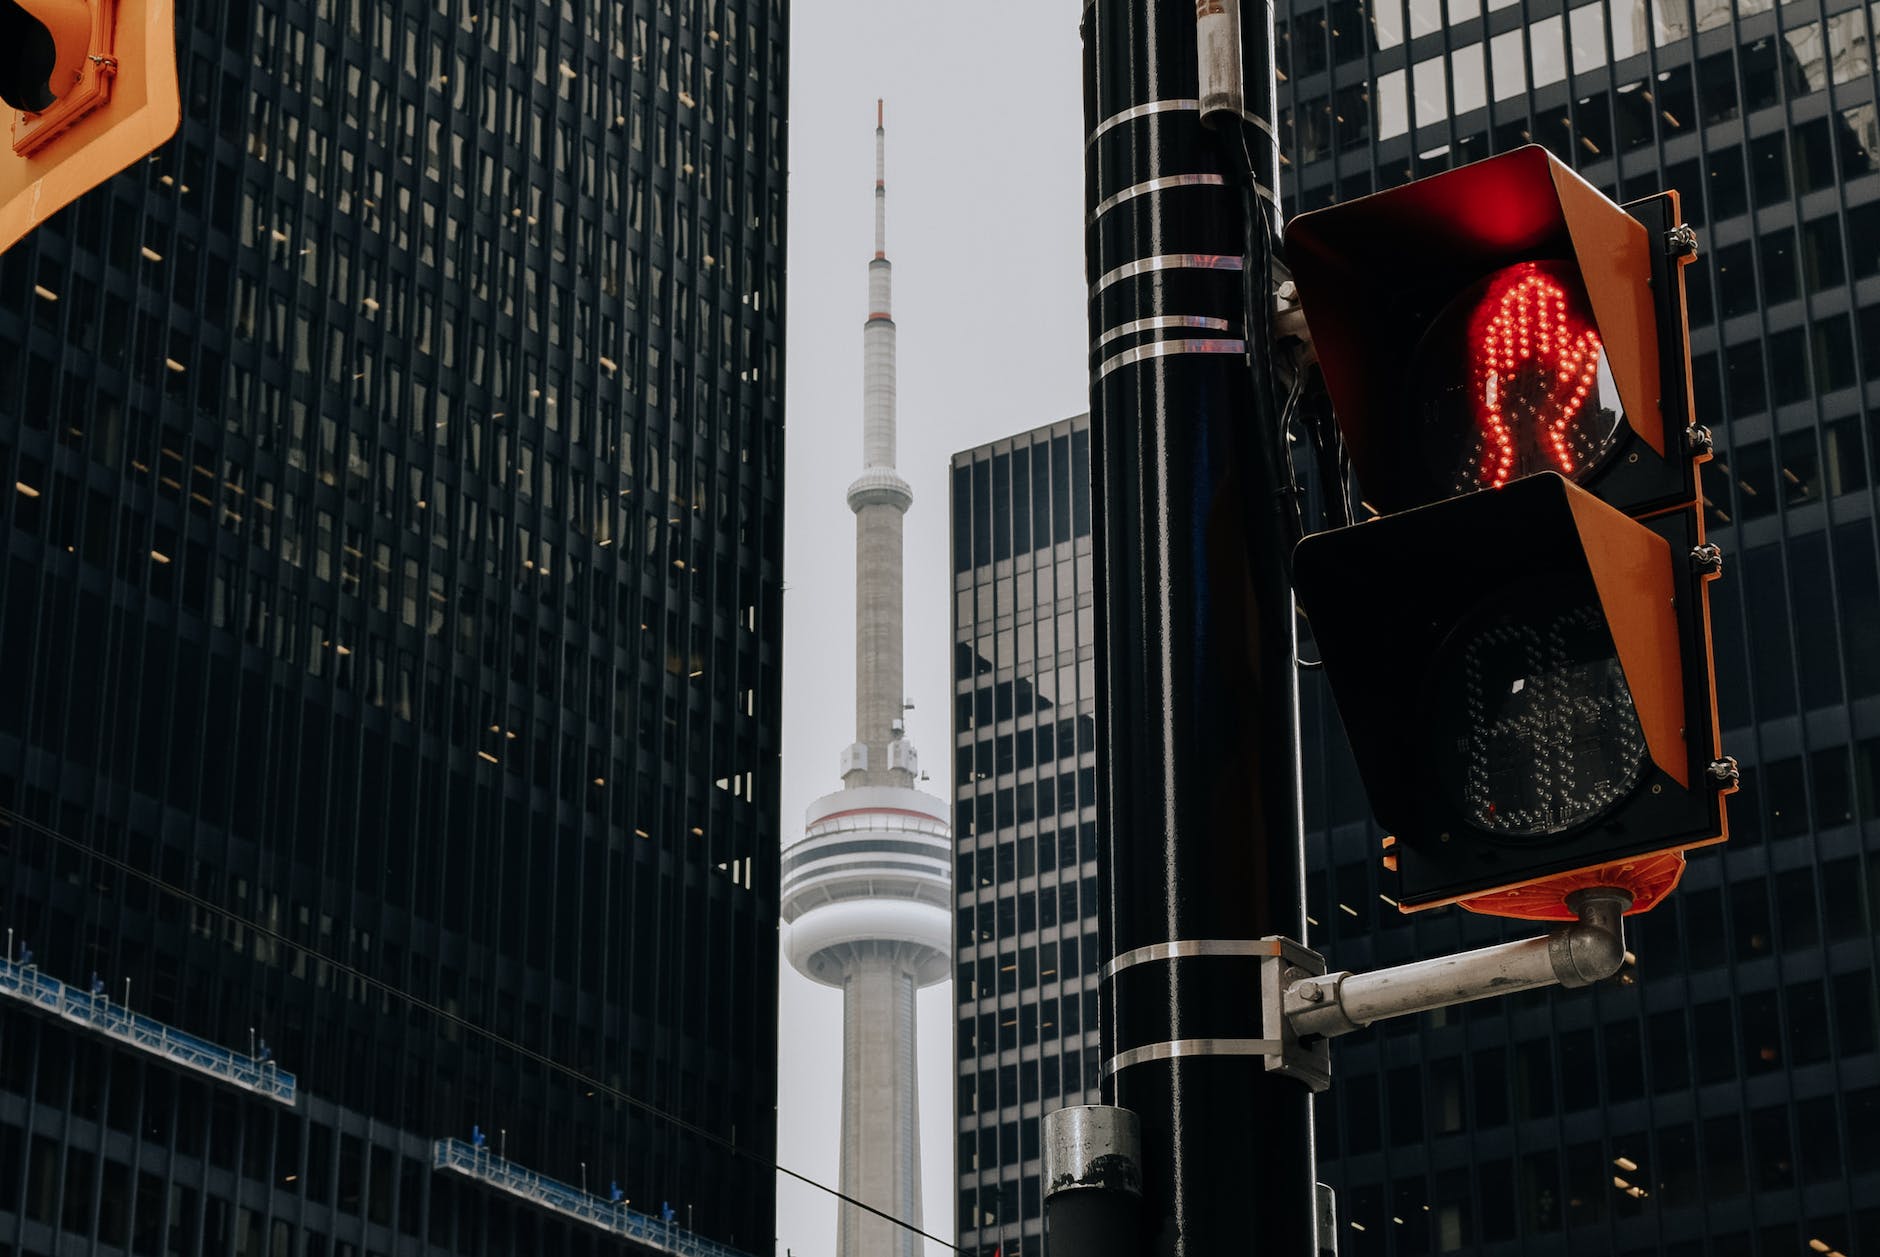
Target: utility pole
[
  {"x": 1196, "y": 625},
  {"x": 1600, "y": 737}
]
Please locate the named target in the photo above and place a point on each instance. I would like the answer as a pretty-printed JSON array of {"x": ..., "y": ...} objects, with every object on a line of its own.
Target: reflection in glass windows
[{"x": 1024, "y": 787}]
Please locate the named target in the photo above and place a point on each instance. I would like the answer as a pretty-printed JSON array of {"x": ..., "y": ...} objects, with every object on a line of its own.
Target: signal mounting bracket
[
  {"x": 1310, "y": 1007},
  {"x": 1288, "y": 965}
]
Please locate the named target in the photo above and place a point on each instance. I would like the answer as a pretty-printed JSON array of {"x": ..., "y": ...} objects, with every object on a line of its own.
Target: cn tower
[{"x": 867, "y": 891}]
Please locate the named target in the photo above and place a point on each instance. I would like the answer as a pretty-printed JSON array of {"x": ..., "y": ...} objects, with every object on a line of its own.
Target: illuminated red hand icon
[{"x": 1535, "y": 363}]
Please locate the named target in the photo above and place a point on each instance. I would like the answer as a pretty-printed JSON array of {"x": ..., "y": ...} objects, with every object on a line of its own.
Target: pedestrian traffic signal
[
  {"x": 90, "y": 86},
  {"x": 1519, "y": 645}
]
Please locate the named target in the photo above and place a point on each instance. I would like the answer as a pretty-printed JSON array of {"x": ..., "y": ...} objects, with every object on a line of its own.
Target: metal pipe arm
[{"x": 1588, "y": 951}]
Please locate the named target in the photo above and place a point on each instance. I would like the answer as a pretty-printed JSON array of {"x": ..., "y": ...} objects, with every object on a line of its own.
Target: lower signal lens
[{"x": 1536, "y": 729}]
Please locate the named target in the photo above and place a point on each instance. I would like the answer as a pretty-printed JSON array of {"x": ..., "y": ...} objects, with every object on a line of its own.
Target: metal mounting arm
[{"x": 1588, "y": 951}]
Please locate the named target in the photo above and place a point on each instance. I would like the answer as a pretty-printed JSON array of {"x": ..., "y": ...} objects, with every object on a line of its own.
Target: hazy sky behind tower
[{"x": 985, "y": 230}]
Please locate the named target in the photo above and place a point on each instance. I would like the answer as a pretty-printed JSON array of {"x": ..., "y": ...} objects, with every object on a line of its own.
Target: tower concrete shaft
[
  {"x": 879, "y": 498},
  {"x": 880, "y": 1108}
]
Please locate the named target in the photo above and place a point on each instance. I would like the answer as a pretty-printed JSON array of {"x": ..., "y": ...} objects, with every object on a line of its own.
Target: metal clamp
[
  {"x": 1283, "y": 962},
  {"x": 1707, "y": 558},
  {"x": 1681, "y": 241},
  {"x": 1698, "y": 440},
  {"x": 1310, "y": 1061},
  {"x": 1289, "y": 323},
  {"x": 1284, "y": 1050}
]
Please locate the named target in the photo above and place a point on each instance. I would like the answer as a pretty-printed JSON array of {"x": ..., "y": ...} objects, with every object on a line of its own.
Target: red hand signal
[{"x": 1534, "y": 364}]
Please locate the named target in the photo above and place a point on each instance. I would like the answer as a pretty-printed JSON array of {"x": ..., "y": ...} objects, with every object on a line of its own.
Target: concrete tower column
[{"x": 880, "y": 1158}]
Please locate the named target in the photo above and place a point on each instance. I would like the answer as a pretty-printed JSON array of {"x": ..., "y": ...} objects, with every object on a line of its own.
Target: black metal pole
[{"x": 1200, "y": 764}]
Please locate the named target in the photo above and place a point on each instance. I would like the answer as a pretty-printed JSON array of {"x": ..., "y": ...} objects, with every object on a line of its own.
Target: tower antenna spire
[
  {"x": 880, "y": 755},
  {"x": 881, "y": 182}
]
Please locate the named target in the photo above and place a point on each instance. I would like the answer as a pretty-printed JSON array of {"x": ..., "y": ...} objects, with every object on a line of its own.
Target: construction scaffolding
[
  {"x": 94, "y": 1011},
  {"x": 609, "y": 1215}
]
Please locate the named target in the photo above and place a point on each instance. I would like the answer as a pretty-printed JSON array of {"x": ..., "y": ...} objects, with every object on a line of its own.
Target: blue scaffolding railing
[
  {"x": 96, "y": 1012},
  {"x": 486, "y": 1167}
]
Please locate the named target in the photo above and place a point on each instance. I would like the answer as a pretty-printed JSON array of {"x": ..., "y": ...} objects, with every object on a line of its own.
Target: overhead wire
[{"x": 457, "y": 1019}]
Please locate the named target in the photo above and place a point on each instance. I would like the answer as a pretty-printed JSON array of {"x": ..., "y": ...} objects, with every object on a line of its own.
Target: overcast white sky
[{"x": 985, "y": 201}]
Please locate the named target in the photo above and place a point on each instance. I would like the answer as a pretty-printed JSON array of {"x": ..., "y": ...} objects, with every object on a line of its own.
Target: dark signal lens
[
  {"x": 31, "y": 57},
  {"x": 1513, "y": 379},
  {"x": 1536, "y": 730}
]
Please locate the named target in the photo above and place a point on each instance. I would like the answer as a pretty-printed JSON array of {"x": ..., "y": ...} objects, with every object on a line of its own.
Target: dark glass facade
[
  {"x": 390, "y": 567},
  {"x": 1025, "y": 818},
  {"x": 1722, "y": 1096}
]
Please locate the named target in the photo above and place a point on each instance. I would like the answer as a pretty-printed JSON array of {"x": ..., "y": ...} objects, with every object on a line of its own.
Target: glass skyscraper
[
  {"x": 1723, "y": 1095},
  {"x": 390, "y": 570},
  {"x": 1025, "y": 818}
]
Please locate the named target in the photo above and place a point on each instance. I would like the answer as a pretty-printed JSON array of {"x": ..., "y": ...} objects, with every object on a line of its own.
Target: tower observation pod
[{"x": 867, "y": 891}]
